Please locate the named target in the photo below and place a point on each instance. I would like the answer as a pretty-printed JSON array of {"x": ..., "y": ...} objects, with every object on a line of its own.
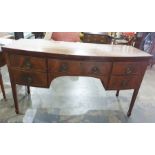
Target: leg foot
[
  {"x": 2, "y": 87},
  {"x": 117, "y": 93},
  {"x": 128, "y": 114},
  {"x": 132, "y": 101},
  {"x": 28, "y": 89}
]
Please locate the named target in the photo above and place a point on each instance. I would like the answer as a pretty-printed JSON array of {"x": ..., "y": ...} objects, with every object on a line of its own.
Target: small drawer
[
  {"x": 123, "y": 82},
  {"x": 31, "y": 79},
  {"x": 126, "y": 68},
  {"x": 96, "y": 68},
  {"x": 64, "y": 67},
  {"x": 28, "y": 63}
]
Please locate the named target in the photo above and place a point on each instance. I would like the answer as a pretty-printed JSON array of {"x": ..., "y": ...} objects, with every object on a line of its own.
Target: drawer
[
  {"x": 96, "y": 68},
  {"x": 29, "y": 78},
  {"x": 127, "y": 68},
  {"x": 64, "y": 67},
  {"x": 123, "y": 82},
  {"x": 28, "y": 63}
]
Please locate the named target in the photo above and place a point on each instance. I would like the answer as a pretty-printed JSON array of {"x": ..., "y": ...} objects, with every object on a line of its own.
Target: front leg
[
  {"x": 2, "y": 86},
  {"x": 132, "y": 102},
  {"x": 28, "y": 89},
  {"x": 14, "y": 92},
  {"x": 117, "y": 93}
]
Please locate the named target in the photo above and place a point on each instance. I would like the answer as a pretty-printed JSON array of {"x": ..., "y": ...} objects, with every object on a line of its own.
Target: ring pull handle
[
  {"x": 63, "y": 68},
  {"x": 95, "y": 70},
  {"x": 129, "y": 70}
]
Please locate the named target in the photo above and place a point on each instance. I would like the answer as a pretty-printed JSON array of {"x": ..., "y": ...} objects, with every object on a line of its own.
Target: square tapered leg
[{"x": 2, "y": 86}]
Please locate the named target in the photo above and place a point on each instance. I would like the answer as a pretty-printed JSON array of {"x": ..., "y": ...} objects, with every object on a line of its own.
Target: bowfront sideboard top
[
  {"x": 69, "y": 49},
  {"x": 36, "y": 62}
]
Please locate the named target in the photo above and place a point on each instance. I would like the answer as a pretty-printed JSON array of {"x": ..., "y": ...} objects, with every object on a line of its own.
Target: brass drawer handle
[
  {"x": 27, "y": 79},
  {"x": 95, "y": 70},
  {"x": 129, "y": 70},
  {"x": 27, "y": 64},
  {"x": 63, "y": 68}
]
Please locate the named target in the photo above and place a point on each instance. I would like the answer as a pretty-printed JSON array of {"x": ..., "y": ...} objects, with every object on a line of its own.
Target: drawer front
[
  {"x": 127, "y": 68},
  {"x": 96, "y": 68},
  {"x": 28, "y": 63},
  {"x": 123, "y": 82},
  {"x": 64, "y": 67},
  {"x": 31, "y": 79}
]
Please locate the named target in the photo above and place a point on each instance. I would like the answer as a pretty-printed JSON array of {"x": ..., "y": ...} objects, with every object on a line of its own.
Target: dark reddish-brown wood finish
[
  {"x": 28, "y": 63},
  {"x": 2, "y": 86},
  {"x": 36, "y": 79},
  {"x": 64, "y": 67},
  {"x": 38, "y": 62},
  {"x": 123, "y": 82},
  {"x": 2, "y": 59},
  {"x": 2, "y": 63}
]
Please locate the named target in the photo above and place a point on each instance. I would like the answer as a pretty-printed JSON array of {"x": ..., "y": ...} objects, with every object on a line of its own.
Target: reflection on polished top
[
  {"x": 77, "y": 49},
  {"x": 4, "y": 41}
]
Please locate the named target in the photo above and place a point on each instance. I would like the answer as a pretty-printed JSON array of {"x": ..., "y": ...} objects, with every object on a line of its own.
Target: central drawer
[
  {"x": 28, "y": 62},
  {"x": 30, "y": 78},
  {"x": 64, "y": 67},
  {"x": 69, "y": 67},
  {"x": 96, "y": 68}
]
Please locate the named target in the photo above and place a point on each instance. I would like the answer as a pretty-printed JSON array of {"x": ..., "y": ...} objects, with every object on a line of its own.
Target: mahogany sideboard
[{"x": 37, "y": 62}]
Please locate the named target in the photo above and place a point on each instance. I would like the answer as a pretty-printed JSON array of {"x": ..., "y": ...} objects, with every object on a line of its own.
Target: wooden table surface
[{"x": 76, "y": 49}]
